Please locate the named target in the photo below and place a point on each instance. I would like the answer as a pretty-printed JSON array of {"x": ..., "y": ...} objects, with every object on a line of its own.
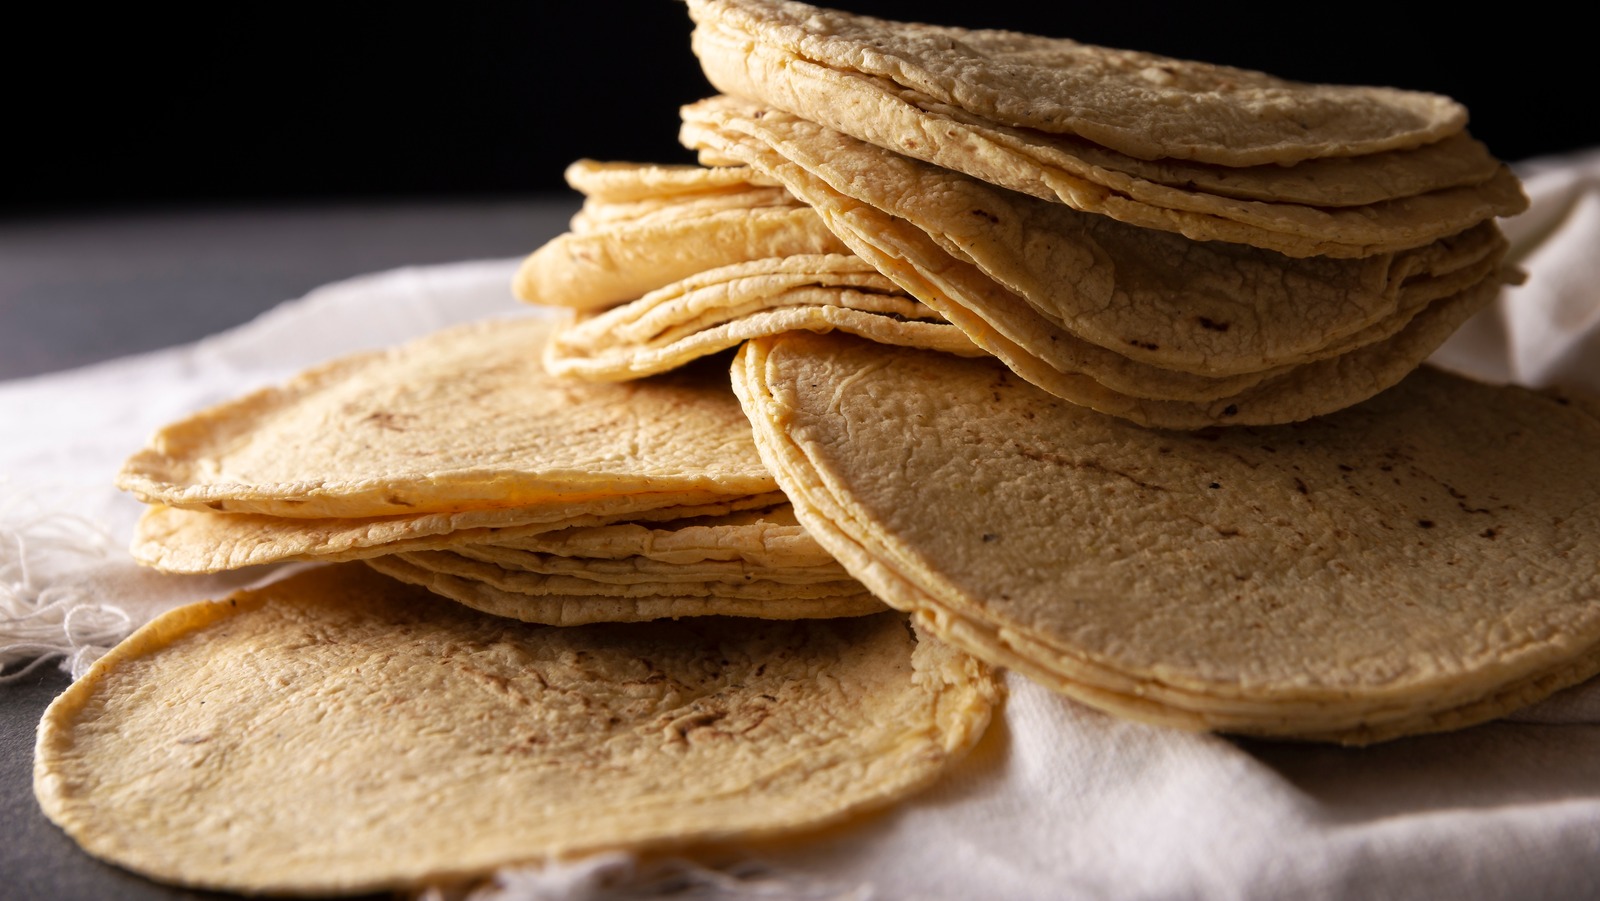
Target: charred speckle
[
  {"x": 1146, "y": 345},
  {"x": 1216, "y": 484},
  {"x": 1230, "y": 410},
  {"x": 987, "y": 216},
  {"x": 1212, "y": 324},
  {"x": 383, "y": 419},
  {"x": 1490, "y": 534},
  {"x": 989, "y": 536},
  {"x": 1425, "y": 523},
  {"x": 1041, "y": 456},
  {"x": 1300, "y": 486},
  {"x": 1344, "y": 468}
]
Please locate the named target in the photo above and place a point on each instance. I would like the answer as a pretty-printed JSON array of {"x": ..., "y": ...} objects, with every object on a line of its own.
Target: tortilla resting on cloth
[{"x": 1422, "y": 561}]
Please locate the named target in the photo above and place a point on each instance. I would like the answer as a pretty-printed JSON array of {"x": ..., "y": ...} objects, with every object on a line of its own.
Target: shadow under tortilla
[{"x": 1489, "y": 766}]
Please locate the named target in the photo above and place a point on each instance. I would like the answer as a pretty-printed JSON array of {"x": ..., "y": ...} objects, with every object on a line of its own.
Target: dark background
[{"x": 286, "y": 102}]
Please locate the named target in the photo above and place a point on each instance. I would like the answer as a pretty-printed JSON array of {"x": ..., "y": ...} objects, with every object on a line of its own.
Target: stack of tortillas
[
  {"x": 660, "y": 654},
  {"x": 1175, "y": 243},
  {"x": 945, "y": 256},
  {"x": 1182, "y": 245},
  {"x": 457, "y": 463}
]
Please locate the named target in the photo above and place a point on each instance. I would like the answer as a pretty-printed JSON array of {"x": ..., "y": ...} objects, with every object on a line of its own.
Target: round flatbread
[
  {"x": 198, "y": 541},
  {"x": 1141, "y": 104},
  {"x": 464, "y": 419},
  {"x": 339, "y": 732}
]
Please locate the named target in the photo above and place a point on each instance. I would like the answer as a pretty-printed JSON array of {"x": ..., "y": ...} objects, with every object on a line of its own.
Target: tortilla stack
[{"x": 1391, "y": 569}]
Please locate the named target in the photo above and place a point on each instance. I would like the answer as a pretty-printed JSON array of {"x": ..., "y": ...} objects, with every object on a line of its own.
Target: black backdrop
[{"x": 288, "y": 102}]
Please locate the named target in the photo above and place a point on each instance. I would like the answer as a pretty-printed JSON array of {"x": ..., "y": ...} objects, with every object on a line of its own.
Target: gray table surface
[{"x": 78, "y": 289}]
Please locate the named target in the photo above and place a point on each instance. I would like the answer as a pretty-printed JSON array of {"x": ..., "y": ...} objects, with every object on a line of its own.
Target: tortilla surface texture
[
  {"x": 464, "y": 419},
  {"x": 1422, "y": 561},
  {"x": 338, "y": 732}
]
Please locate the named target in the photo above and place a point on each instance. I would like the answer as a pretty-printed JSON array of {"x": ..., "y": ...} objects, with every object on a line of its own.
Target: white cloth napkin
[{"x": 1059, "y": 801}]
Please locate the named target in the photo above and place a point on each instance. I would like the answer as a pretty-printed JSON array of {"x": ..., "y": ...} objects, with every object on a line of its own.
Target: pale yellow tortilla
[
  {"x": 1141, "y": 104},
  {"x": 597, "y": 216},
  {"x": 199, "y": 541},
  {"x": 464, "y": 419},
  {"x": 622, "y": 182},
  {"x": 576, "y": 601},
  {"x": 618, "y": 262},
  {"x": 291, "y": 740},
  {"x": 718, "y": 309},
  {"x": 1422, "y": 561}
]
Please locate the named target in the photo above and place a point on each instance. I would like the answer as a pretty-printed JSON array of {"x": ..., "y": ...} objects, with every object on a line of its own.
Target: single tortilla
[
  {"x": 384, "y": 707},
  {"x": 199, "y": 541},
  {"x": 1141, "y": 104},
  {"x": 622, "y": 182},
  {"x": 465, "y": 419},
  {"x": 1422, "y": 561}
]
